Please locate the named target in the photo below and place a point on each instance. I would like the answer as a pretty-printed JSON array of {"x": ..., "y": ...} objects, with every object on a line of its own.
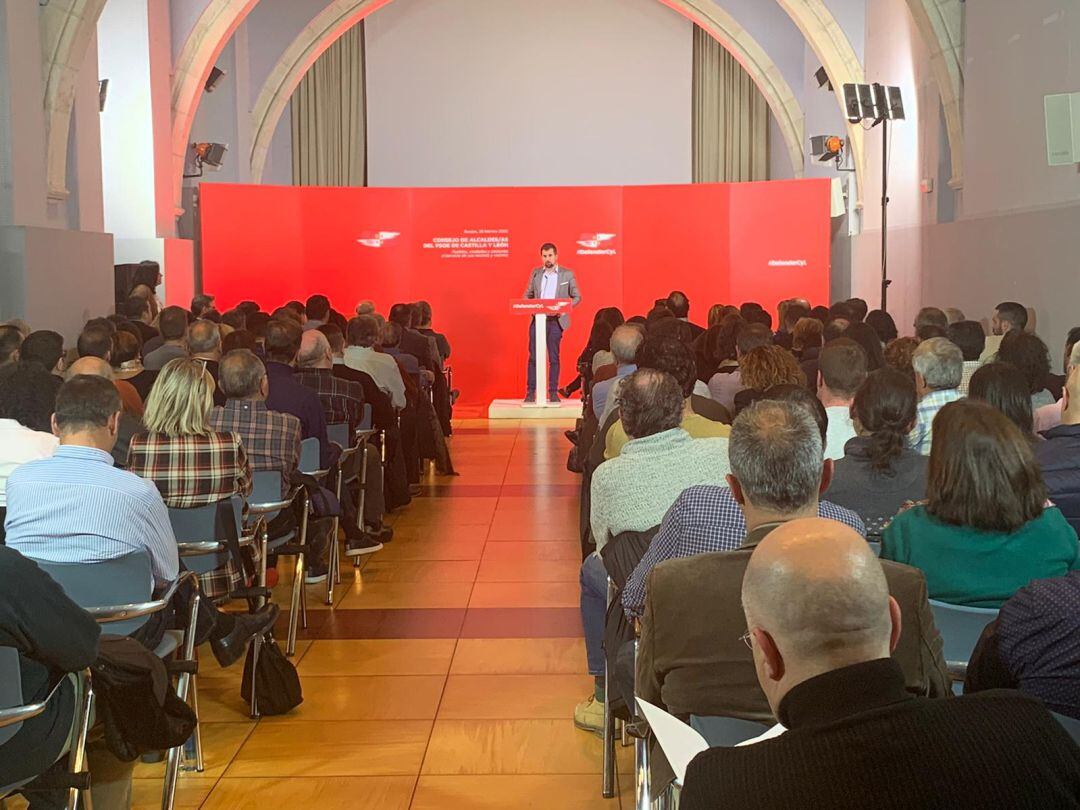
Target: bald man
[
  {"x": 129, "y": 425},
  {"x": 822, "y": 627},
  {"x": 204, "y": 345}
]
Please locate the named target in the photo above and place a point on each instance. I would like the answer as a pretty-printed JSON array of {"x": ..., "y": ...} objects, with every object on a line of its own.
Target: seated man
[
  {"x": 675, "y": 358},
  {"x": 625, "y": 341},
  {"x": 343, "y": 403},
  {"x": 76, "y": 507},
  {"x": 708, "y": 518},
  {"x": 1032, "y": 646},
  {"x": 691, "y": 658},
  {"x": 632, "y": 493},
  {"x": 390, "y": 341},
  {"x": 841, "y": 370},
  {"x": 53, "y": 636},
  {"x": 1059, "y": 455},
  {"x": 204, "y": 344},
  {"x": 128, "y": 426},
  {"x": 287, "y": 395},
  {"x": 822, "y": 626},
  {"x": 939, "y": 370},
  {"x": 361, "y": 355},
  {"x": 173, "y": 324}
]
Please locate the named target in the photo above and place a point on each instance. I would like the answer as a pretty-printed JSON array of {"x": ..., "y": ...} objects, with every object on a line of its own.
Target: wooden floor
[{"x": 447, "y": 673}]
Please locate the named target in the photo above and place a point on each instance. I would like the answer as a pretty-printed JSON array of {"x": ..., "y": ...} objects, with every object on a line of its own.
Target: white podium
[{"x": 538, "y": 309}]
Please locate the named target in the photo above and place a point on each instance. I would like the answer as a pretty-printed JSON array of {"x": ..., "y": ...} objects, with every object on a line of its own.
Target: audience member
[
  {"x": 822, "y": 627},
  {"x": 679, "y": 304},
  {"x": 1008, "y": 316},
  {"x": 97, "y": 340},
  {"x": 1003, "y": 386},
  {"x": 625, "y": 342},
  {"x": 127, "y": 364},
  {"x": 1028, "y": 353},
  {"x": 879, "y": 473},
  {"x": 1032, "y": 646},
  {"x": 189, "y": 463},
  {"x": 723, "y": 387},
  {"x": 240, "y": 339},
  {"x": 202, "y": 308},
  {"x": 287, "y": 394},
  {"x": 763, "y": 368},
  {"x": 26, "y": 407},
  {"x": 317, "y": 310},
  {"x": 271, "y": 439},
  {"x": 691, "y": 657},
  {"x": 46, "y": 348},
  {"x": 883, "y": 324},
  {"x": 985, "y": 530},
  {"x": 841, "y": 370},
  {"x": 128, "y": 426},
  {"x": 1059, "y": 455},
  {"x": 806, "y": 338},
  {"x": 236, "y": 318},
  {"x": 361, "y": 355},
  {"x": 898, "y": 355},
  {"x": 173, "y": 324},
  {"x": 632, "y": 493},
  {"x": 970, "y": 338},
  {"x": 675, "y": 358},
  {"x": 954, "y": 315},
  {"x": 1056, "y": 382},
  {"x": 76, "y": 507},
  {"x": 930, "y": 316},
  {"x": 390, "y": 342},
  {"x": 865, "y": 336},
  {"x": 204, "y": 344},
  {"x": 137, "y": 309},
  {"x": 939, "y": 367},
  {"x": 424, "y": 327},
  {"x": 708, "y": 518}
]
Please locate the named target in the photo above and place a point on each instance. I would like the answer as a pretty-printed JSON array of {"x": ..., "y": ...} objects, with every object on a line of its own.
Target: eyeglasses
[{"x": 747, "y": 639}]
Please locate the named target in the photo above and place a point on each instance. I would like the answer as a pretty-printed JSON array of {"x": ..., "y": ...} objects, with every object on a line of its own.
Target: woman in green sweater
[{"x": 986, "y": 529}]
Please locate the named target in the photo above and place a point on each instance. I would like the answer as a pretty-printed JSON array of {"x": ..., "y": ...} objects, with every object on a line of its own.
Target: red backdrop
[{"x": 468, "y": 251}]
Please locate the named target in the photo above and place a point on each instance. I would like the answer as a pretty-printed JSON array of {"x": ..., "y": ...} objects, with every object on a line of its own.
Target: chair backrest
[
  {"x": 366, "y": 417},
  {"x": 1070, "y": 724},
  {"x": 10, "y": 688},
  {"x": 960, "y": 628},
  {"x": 875, "y": 547},
  {"x": 338, "y": 433},
  {"x": 266, "y": 488},
  {"x": 199, "y": 524},
  {"x": 126, "y": 580},
  {"x": 725, "y": 732},
  {"x": 309, "y": 455}
]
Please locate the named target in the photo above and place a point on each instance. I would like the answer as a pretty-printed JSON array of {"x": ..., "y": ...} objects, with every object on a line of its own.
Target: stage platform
[{"x": 517, "y": 409}]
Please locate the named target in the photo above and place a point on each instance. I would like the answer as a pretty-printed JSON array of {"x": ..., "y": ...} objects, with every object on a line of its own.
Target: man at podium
[{"x": 549, "y": 281}]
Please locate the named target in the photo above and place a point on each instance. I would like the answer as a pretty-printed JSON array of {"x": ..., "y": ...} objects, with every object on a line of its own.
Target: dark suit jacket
[
  {"x": 691, "y": 659},
  {"x": 856, "y": 739}
]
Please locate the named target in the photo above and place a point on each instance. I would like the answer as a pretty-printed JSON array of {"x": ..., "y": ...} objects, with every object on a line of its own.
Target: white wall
[{"x": 515, "y": 92}]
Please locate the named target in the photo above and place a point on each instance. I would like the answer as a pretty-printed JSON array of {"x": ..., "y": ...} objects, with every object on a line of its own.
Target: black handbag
[{"x": 277, "y": 686}]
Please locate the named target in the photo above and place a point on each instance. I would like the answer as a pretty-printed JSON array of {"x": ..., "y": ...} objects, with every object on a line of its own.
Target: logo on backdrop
[
  {"x": 595, "y": 244},
  {"x": 787, "y": 263},
  {"x": 376, "y": 239}
]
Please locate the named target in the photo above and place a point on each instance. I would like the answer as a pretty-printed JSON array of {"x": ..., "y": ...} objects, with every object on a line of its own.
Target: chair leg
[
  {"x": 77, "y": 760},
  {"x": 256, "y": 648},
  {"x": 200, "y": 763},
  {"x": 294, "y": 605},
  {"x": 642, "y": 800},
  {"x": 183, "y": 682},
  {"x": 609, "y": 743}
]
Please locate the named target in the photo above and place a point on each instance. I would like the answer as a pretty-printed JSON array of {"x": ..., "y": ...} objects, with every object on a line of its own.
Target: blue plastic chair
[
  {"x": 118, "y": 593},
  {"x": 960, "y": 628},
  {"x": 14, "y": 712},
  {"x": 195, "y": 529},
  {"x": 1070, "y": 724},
  {"x": 726, "y": 732}
]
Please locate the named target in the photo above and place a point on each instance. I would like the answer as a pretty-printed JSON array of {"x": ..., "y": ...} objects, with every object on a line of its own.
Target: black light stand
[{"x": 885, "y": 280}]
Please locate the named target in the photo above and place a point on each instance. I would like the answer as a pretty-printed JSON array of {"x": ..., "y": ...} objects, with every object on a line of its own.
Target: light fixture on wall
[
  {"x": 202, "y": 155},
  {"x": 214, "y": 79},
  {"x": 878, "y": 104}
]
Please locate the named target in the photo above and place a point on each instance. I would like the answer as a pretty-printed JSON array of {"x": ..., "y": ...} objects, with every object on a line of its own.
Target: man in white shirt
[
  {"x": 549, "y": 281},
  {"x": 361, "y": 355},
  {"x": 841, "y": 370}
]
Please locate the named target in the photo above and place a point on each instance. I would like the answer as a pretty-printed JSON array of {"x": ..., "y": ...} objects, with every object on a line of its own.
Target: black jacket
[
  {"x": 1059, "y": 458},
  {"x": 857, "y": 739}
]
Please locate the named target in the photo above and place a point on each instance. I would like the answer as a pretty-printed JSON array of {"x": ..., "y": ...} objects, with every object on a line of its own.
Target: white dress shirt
[
  {"x": 19, "y": 445},
  {"x": 382, "y": 368},
  {"x": 841, "y": 429},
  {"x": 549, "y": 283}
]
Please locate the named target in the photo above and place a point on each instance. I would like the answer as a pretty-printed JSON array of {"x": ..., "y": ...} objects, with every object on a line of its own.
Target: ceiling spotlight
[
  {"x": 206, "y": 154},
  {"x": 216, "y": 75},
  {"x": 822, "y": 77}
]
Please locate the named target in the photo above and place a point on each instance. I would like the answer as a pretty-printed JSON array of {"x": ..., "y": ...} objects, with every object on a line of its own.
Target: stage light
[
  {"x": 216, "y": 75},
  {"x": 873, "y": 102},
  {"x": 206, "y": 154},
  {"x": 831, "y": 147},
  {"x": 822, "y": 77}
]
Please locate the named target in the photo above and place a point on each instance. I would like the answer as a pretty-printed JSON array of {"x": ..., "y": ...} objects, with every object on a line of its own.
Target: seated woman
[
  {"x": 761, "y": 369},
  {"x": 1004, "y": 386},
  {"x": 879, "y": 473},
  {"x": 190, "y": 464},
  {"x": 985, "y": 530}
]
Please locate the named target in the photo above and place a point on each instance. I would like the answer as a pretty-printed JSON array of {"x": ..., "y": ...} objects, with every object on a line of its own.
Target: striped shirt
[
  {"x": 705, "y": 519},
  {"x": 76, "y": 507},
  {"x": 922, "y": 436}
]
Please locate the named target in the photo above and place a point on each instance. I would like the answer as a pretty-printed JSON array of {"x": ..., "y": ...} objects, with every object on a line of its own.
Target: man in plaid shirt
[
  {"x": 939, "y": 370},
  {"x": 271, "y": 439}
]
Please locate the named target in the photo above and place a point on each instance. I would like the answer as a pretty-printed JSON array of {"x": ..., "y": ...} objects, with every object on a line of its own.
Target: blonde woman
[{"x": 191, "y": 464}]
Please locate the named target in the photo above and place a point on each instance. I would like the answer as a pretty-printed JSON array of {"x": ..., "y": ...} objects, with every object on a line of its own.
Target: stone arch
[
  {"x": 341, "y": 15},
  {"x": 67, "y": 28},
  {"x": 941, "y": 24}
]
